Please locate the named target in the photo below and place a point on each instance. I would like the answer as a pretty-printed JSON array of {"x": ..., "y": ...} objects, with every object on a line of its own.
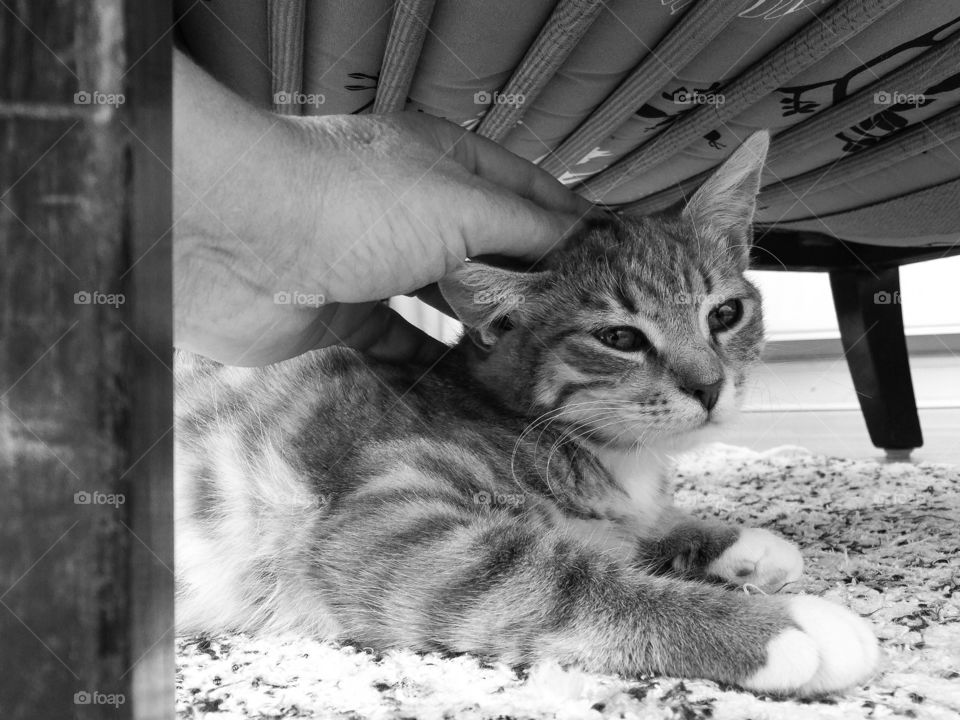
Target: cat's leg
[
  {"x": 691, "y": 547},
  {"x": 425, "y": 569}
]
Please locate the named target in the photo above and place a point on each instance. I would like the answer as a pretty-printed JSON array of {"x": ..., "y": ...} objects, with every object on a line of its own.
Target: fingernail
[{"x": 601, "y": 212}]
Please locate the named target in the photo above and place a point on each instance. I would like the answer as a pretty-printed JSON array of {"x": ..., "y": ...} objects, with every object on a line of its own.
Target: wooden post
[
  {"x": 85, "y": 337},
  {"x": 148, "y": 273}
]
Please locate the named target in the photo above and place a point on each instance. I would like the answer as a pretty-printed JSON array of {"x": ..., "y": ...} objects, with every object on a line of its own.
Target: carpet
[{"x": 882, "y": 539}]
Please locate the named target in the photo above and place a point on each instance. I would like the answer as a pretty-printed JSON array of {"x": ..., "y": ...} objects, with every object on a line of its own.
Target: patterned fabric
[{"x": 628, "y": 100}]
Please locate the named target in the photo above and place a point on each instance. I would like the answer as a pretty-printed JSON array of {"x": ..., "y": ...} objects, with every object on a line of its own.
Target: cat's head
[{"x": 641, "y": 328}]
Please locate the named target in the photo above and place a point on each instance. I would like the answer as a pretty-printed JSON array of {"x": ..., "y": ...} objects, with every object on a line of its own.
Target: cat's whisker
[
  {"x": 569, "y": 407},
  {"x": 569, "y": 435},
  {"x": 593, "y": 428},
  {"x": 618, "y": 420},
  {"x": 555, "y": 415},
  {"x": 552, "y": 415},
  {"x": 566, "y": 435}
]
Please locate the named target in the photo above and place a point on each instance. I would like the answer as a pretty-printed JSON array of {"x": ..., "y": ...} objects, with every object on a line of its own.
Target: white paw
[
  {"x": 832, "y": 650},
  {"x": 761, "y": 558}
]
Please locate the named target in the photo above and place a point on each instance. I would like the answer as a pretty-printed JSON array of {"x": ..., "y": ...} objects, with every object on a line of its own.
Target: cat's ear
[
  {"x": 724, "y": 205},
  {"x": 488, "y": 299}
]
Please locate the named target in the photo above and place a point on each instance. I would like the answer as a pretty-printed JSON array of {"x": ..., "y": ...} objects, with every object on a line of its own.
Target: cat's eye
[
  {"x": 624, "y": 338},
  {"x": 725, "y": 315}
]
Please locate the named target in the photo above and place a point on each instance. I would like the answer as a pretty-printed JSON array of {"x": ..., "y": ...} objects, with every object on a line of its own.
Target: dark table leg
[{"x": 871, "y": 329}]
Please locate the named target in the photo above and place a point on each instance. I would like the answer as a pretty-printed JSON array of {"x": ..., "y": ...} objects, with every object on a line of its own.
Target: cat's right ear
[
  {"x": 486, "y": 298},
  {"x": 723, "y": 207}
]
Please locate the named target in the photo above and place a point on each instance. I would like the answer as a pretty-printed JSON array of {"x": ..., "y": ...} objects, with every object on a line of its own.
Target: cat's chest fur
[
  {"x": 642, "y": 478},
  {"x": 642, "y": 475},
  {"x": 631, "y": 511}
]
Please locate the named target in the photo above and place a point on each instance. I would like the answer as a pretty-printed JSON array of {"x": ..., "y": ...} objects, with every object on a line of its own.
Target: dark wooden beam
[
  {"x": 85, "y": 522},
  {"x": 148, "y": 474}
]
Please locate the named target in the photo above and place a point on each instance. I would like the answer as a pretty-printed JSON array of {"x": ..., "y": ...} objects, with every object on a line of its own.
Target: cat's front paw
[
  {"x": 832, "y": 650},
  {"x": 761, "y": 558}
]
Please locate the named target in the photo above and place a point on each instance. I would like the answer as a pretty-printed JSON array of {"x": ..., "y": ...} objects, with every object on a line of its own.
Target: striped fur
[{"x": 511, "y": 501}]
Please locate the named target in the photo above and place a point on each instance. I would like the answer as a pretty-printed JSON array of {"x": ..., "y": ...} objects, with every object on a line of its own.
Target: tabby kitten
[{"x": 512, "y": 501}]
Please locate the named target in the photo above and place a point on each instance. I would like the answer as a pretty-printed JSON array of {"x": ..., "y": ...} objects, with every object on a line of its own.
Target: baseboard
[{"x": 826, "y": 348}]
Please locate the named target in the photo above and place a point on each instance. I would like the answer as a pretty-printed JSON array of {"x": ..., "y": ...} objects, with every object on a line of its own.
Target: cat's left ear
[
  {"x": 487, "y": 298},
  {"x": 724, "y": 205}
]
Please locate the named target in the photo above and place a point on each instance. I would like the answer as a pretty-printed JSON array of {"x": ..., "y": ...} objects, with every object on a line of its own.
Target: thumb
[{"x": 502, "y": 223}]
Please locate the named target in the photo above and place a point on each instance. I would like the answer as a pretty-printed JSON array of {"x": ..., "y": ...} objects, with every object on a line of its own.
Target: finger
[
  {"x": 496, "y": 221},
  {"x": 491, "y": 161},
  {"x": 386, "y": 336},
  {"x": 519, "y": 210}
]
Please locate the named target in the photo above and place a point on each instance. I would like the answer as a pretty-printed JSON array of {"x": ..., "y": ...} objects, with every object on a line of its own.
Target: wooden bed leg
[{"x": 871, "y": 330}]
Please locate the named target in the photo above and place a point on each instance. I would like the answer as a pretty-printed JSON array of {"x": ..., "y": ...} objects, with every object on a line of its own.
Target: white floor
[{"x": 813, "y": 404}]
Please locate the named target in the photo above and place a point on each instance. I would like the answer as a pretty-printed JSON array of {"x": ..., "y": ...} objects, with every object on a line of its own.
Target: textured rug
[{"x": 882, "y": 539}]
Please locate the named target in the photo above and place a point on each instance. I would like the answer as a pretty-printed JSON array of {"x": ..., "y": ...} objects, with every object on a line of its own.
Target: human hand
[{"x": 340, "y": 211}]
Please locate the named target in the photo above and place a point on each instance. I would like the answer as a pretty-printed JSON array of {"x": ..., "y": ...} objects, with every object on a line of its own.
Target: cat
[{"x": 511, "y": 501}]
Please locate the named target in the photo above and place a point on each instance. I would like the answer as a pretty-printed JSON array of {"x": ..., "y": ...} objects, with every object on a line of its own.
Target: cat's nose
[{"x": 706, "y": 392}]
